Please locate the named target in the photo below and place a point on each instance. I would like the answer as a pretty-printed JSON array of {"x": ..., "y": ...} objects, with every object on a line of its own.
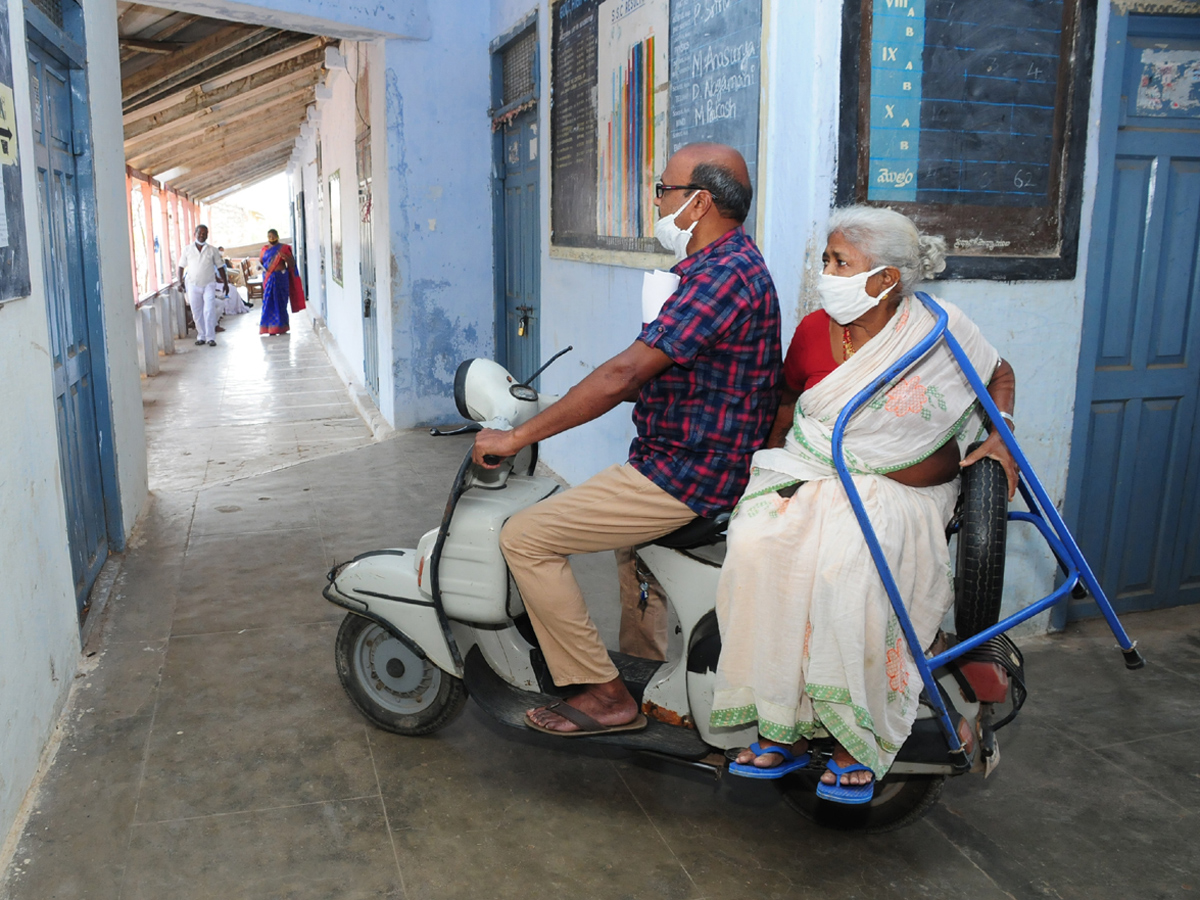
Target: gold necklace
[{"x": 847, "y": 344}]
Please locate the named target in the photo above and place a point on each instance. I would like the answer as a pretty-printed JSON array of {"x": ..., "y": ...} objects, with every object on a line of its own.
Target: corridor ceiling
[{"x": 212, "y": 104}]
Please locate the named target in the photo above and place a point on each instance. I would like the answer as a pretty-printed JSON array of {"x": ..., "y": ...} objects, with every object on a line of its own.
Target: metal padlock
[{"x": 522, "y": 326}]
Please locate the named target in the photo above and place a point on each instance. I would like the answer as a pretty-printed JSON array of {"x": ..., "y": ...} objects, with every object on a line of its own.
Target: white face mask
[
  {"x": 845, "y": 298},
  {"x": 671, "y": 235}
]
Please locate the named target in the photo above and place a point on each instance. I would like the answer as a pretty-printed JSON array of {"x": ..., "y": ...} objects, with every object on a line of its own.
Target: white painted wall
[
  {"x": 338, "y": 128},
  {"x": 305, "y": 178},
  {"x": 116, "y": 279},
  {"x": 381, "y": 226},
  {"x": 39, "y": 630}
]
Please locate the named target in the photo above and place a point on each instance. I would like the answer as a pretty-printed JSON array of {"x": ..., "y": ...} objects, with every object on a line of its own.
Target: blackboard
[
  {"x": 632, "y": 80},
  {"x": 14, "y": 252},
  {"x": 969, "y": 117},
  {"x": 573, "y": 123},
  {"x": 716, "y": 51}
]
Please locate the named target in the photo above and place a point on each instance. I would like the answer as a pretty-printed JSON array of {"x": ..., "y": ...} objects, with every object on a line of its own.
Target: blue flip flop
[
  {"x": 852, "y": 794},
  {"x": 790, "y": 763}
]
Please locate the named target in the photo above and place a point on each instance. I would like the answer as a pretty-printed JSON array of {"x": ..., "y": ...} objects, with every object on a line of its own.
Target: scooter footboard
[{"x": 382, "y": 586}]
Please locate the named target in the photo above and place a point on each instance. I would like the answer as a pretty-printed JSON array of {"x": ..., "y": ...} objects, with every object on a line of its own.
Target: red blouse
[{"x": 809, "y": 357}]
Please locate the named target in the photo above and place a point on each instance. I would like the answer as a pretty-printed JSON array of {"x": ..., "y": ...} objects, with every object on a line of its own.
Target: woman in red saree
[{"x": 281, "y": 286}]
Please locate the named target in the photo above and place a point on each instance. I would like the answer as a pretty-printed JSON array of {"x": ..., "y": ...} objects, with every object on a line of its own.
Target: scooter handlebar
[{"x": 469, "y": 428}]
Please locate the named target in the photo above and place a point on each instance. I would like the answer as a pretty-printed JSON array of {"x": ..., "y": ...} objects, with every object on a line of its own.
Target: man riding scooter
[{"x": 704, "y": 376}]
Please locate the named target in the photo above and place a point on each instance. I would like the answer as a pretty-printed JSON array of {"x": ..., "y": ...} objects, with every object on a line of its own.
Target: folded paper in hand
[{"x": 657, "y": 288}]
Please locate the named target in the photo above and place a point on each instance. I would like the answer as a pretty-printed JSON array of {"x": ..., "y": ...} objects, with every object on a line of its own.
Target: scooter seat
[{"x": 700, "y": 532}]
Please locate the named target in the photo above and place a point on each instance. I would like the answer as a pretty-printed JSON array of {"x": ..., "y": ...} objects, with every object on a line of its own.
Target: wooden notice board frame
[{"x": 1010, "y": 235}]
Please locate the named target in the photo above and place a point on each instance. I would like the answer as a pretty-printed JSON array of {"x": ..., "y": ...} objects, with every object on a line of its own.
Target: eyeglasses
[{"x": 660, "y": 188}]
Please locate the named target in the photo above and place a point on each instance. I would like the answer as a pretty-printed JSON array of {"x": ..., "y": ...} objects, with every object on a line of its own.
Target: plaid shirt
[{"x": 699, "y": 421}]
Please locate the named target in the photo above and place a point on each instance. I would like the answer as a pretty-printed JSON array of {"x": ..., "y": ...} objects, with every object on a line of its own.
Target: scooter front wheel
[
  {"x": 899, "y": 800},
  {"x": 392, "y": 683}
]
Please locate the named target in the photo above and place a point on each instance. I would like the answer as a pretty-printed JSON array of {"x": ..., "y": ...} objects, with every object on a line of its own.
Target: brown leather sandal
[{"x": 588, "y": 727}]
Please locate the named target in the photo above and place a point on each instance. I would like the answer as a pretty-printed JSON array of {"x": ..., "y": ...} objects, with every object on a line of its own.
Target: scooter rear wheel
[
  {"x": 392, "y": 682},
  {"x": 899, "y": 800}
]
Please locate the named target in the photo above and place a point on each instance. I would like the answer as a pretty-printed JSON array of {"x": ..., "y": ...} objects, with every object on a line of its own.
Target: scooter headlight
[
  {"x": 460, "y": 388},
  {"x": 483, "y": 393}
]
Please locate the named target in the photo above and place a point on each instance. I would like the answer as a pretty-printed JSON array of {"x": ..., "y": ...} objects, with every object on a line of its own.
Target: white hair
[{"x": 889, "y": 238}]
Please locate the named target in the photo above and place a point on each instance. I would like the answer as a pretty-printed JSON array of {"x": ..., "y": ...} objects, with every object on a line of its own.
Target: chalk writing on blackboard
[
  {"x": 970, "y": 116},
  {"x": 632, "y": 81},
  {"x": 715, "y": 76},
  {"x": 963, "y": 101}
]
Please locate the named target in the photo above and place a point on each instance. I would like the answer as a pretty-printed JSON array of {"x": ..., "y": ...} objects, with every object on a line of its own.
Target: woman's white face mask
[
  {"x": 845, "y": 298},
  {"x": 670, "y": 235}
]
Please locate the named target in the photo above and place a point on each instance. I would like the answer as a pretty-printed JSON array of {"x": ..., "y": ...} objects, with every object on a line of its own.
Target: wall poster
[
  {"x": 631, "y": 80},
  {"x": 14, "y": 251},
  {"x": 966, "y": 115}
]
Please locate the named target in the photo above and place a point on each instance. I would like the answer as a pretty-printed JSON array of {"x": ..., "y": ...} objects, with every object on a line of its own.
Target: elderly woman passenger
[{"x": 809, "y": 638}]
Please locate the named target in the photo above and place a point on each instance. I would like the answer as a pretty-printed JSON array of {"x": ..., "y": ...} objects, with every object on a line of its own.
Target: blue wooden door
[
  {"x": 56, "y": 145},
  {"x": 1137, "y": 434},
  {"x": 366, "y": 268},
  {"x": 522, "y": 246}
]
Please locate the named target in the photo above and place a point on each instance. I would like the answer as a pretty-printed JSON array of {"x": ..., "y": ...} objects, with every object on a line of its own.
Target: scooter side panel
[
  {"x": 691, "y": 586},
  {"x": 384, "y": 586},
  {"x": 473, "y": 576}
]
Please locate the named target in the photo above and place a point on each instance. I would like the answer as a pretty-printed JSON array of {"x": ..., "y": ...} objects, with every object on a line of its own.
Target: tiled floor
[
  {"x": 211, "y": 753},
  {"x": 249, "y": 405}
]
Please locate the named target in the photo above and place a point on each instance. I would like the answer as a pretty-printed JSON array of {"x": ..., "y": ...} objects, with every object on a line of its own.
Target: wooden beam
[
  {"x": 177, "y": 23},
  {"x": 195, "y": 102},
  {"x": 142, "y": 46},
  {"x": 249, "y": 167},
  {"x": 245, "y": 174},
  {"x": 271, "y": 59},
  {"x": 130, "y": 10},
  {"x": 208, "y": 165},
  {"x": 248, "y": 54},
  {"x": 206, "y": 120},
  {"x": 290, "y": 108},
  {"x": 246, "y": 179},
  {"x": 219, "y": 45},
  {"x": 226, "y": 147}
]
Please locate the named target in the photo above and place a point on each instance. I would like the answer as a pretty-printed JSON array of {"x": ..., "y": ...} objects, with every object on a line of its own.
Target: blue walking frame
[{"x": 1078, "y": 575}]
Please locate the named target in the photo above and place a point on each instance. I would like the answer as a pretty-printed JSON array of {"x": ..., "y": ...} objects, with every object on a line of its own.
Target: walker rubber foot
[{"x": 1133, "y": 658}]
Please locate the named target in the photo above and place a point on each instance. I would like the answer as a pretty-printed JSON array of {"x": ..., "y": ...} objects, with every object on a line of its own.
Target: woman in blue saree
[{"x": 281, "y": 285}]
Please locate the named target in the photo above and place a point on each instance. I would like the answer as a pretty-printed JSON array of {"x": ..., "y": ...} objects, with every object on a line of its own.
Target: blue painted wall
[{"x": 439, "y": 208}]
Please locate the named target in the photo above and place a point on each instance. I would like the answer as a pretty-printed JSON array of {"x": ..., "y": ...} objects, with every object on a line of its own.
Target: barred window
[
  {"x": 52, "y": 9},
  {"x": 519, "y": 57}
]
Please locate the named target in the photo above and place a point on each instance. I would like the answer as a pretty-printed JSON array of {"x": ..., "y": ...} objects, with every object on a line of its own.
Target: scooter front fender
[{"x": 382, "y": 586}]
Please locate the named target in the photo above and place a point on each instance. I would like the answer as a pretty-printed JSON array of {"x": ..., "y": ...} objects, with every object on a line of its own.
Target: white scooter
[{"x": 430, "y": 626}]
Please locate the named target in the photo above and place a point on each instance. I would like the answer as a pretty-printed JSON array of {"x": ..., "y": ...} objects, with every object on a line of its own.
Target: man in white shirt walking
[{"x": 199, "y": 269}]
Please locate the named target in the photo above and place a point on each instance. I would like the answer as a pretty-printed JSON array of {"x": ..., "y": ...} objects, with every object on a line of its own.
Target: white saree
[{"x": 808, "y": 635}]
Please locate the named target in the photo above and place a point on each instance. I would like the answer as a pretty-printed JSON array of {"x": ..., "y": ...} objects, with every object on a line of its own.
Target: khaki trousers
[{"x": 617, "y": 508}]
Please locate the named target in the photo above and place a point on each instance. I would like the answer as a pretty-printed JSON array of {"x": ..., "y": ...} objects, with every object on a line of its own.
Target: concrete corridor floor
[{"x": 209, "y": 751}]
